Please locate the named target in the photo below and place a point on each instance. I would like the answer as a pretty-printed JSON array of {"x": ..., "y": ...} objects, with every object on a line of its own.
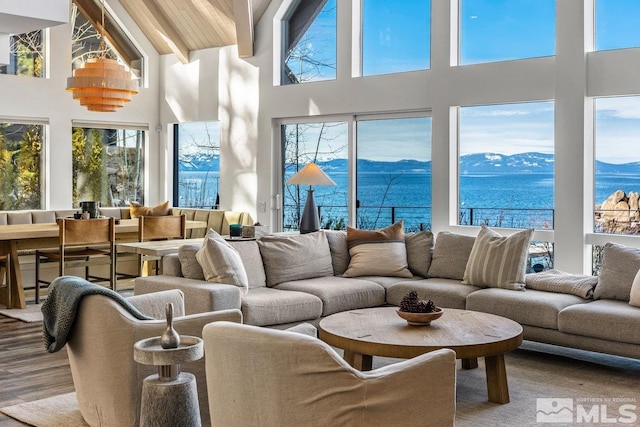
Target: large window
[
  {"x": 392, "y": 170},
  {"x": 108, "y": 166},
  {"x": 617, "y": 24},
  {"x": 501, "y": 30},
  {"x": 396, "y": 36},
  {"x": 394, "y": 173},
  {"x": 617, "y": 168},
  {"x": 197, "y": 177},
  {"x": 26, "y": 55},
  {"x": 326, "y": 145},
  {"x": 21, "y": 163},
  {"x": 506, "y": 165},
  {"x": 310, "y": 42}
]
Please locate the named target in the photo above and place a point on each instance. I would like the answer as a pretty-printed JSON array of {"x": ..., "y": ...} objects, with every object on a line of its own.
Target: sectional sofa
[{"x": 302, "y": 278}]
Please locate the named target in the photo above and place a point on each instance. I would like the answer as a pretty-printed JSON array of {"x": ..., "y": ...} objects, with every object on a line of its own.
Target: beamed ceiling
[{"x": 181, "y": 26}]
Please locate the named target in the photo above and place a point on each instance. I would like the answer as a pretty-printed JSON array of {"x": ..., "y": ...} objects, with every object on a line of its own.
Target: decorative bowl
[{"x": 420, "y": 319}]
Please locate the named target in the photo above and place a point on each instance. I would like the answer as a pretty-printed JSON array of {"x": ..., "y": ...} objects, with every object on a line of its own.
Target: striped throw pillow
[
  {"x": 221, "y": 263},
  {"x": 497, "y": 261},
  {"x": 377, "y": 252}
]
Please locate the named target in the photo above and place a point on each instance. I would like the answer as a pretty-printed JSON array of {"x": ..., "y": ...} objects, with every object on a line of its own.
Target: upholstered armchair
[
  {"x": 107, "y": 380},
  {"x": 267, "y": 377}
]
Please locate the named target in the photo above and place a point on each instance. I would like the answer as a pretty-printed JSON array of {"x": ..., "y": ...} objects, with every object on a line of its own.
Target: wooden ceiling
[{"x": 181, "y": 26}]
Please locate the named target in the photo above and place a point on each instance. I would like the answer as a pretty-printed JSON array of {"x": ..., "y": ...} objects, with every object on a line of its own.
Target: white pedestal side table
[{"x": 169, "y": 397}]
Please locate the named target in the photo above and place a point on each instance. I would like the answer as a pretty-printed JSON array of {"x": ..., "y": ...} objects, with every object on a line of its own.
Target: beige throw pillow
[
  {"x": 377, "y": 252},
  {"x": 450, "y": 255},
  {"x": 189, "y": 265},
  {"x": 295, "y": 257},
  {"x": 619, "y": 266},
  {"x": 635, "y": 291},
  {"x": 221, "y": 263},
  {"x": 419, "y": 249},
  {"x": 498, "y": 261}
]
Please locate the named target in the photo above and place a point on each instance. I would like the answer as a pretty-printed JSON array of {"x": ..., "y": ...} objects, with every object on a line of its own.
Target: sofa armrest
[
  {"x": 171, "y": 265},
  {"x": 199, "y": 296}
]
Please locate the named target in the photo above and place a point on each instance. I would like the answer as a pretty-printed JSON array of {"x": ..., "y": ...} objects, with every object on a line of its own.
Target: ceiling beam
[
  {"x": 243, "y": 13},
  {"x": 157, "y": 19}
]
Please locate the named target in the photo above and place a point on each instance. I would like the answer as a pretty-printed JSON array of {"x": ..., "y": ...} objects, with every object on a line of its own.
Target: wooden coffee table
[{"x": 381, "y": 332}]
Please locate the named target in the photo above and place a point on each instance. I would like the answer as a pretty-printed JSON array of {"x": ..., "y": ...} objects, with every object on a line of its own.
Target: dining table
[{"x": 18, "y": 237}]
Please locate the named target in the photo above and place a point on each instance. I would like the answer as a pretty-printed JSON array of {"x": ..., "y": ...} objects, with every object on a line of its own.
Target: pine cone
[
  {"x": 425, "y": 306},
  {"x": 409, "y": 302}
]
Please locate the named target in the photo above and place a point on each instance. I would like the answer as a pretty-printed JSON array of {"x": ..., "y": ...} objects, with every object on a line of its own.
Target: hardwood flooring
[{"x": 27, "y": 371}]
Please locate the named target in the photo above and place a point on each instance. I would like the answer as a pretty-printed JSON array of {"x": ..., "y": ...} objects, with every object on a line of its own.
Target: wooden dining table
[{"x": 14, "y": 238}]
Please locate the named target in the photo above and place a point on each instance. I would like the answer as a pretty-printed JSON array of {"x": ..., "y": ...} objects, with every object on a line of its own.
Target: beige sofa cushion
[
  {"x": 619, "y": 266},
  {"x": 450, "y": 255},
  {"x": 339, "y": 293},
  {"x": 498, "y": 261},
  {"x": 533, "y": 308},
  {"x": 564, "y": 283},
  {"x": 221, "y": 263},
  {"x": 419, "y": 249},
  {"x": 448, "y": 293},
  {"x": 377, "y": 252},
  {"x": 295, "y": 257},
  {"x": 252, "y": 261},
  {"x": 265, "y": 306},
  {"x": 605, "y": 319}
]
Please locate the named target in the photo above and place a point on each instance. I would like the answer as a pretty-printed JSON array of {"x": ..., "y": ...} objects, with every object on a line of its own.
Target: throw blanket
[
  {"x": 60, "y": 308},
  {"x": 561, "y": 282}
]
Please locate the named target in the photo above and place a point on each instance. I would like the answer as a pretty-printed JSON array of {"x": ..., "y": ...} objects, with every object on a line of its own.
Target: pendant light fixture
[{"x": 102, "y": 84}]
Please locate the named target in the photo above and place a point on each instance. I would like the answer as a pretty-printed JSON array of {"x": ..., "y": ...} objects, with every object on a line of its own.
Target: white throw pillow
[
  {"x": 497, "y": 261},
  {"x": 635, "y": 291},
  {"x": 221, "y": 263}
]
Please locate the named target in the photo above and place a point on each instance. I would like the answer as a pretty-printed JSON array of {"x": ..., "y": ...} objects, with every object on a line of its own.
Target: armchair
[
  {"x": 294, "y": 379},
  {"x": 107, "y": 380}
]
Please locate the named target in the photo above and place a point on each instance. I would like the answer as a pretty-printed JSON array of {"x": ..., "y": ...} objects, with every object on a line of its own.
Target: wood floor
[{"x": 27, "y": 371}]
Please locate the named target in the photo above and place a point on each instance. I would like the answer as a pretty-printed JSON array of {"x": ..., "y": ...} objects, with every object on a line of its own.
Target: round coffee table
[{"x": 381, "y": 332}]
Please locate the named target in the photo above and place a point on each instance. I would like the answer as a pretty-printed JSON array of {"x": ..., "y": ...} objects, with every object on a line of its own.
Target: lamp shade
[{"x": 311, "y": 174}]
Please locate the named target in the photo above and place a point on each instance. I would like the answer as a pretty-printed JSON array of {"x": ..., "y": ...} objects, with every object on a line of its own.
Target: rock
[
  {"x": 609, "y": 206},
  {"x": 634, "y": 199},
  {"x": 621, "y": 211}
]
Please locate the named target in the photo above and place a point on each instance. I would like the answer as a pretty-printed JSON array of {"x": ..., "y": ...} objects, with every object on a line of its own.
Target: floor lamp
[{"x": 310, "y": 175}]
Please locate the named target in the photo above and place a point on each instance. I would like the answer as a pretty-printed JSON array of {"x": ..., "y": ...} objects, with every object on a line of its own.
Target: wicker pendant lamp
[{"x": 102, "y": 84}]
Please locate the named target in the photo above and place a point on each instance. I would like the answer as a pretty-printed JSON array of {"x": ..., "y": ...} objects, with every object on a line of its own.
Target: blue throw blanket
[{"x": 60, "y": 308}]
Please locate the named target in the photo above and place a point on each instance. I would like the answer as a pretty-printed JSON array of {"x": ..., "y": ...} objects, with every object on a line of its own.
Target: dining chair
[
  {"x": 82, "y": 243},
  {"x": 153, "y": 228}
]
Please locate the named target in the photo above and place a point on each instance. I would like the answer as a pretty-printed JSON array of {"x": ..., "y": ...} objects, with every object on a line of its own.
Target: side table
[{"x": 169, "y": 397}]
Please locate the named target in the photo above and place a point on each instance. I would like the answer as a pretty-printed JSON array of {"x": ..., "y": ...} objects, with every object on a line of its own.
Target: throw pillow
[
  {"x": 565, "y": 283},
  {"x": 498, "y": 261},
  {"x": 419, "y": 249},
  {"x": 339, "y": 250},
  {"x": 377, "y": 252},
  {"x": 450, "y": 255},
  {"x": 137, "y": 210},
  {"x": 619, "y": 266},
  {"x": 296, "y": 257},
  {"x": 189, "y": 265},
  {"x": 221, "y": 263},
  {"x": 635, "y": 291}
]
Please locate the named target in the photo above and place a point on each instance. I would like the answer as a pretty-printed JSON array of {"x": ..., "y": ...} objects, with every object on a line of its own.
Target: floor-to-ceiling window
[
  {"x": 394, "y": 172},
  {"x": 197, "y": 165}
]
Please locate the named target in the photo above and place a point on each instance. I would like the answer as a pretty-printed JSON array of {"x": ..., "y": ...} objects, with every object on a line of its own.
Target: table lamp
[{"x": 310, "y": 175}]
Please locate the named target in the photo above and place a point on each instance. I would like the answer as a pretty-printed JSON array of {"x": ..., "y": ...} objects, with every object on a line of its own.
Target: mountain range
[{"x": 470, "y": 164}]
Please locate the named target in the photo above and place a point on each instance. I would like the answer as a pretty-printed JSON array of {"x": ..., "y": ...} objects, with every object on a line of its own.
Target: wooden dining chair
[
  {"x": 82, "y": 243},
  {"x": 152, "y": 228}
]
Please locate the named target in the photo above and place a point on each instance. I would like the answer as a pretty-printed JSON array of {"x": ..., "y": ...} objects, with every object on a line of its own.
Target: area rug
[
  {"x": 30, "y": 314},
  {"x": 57, "y": 411},
  {"x": 539, "y": 377}
]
